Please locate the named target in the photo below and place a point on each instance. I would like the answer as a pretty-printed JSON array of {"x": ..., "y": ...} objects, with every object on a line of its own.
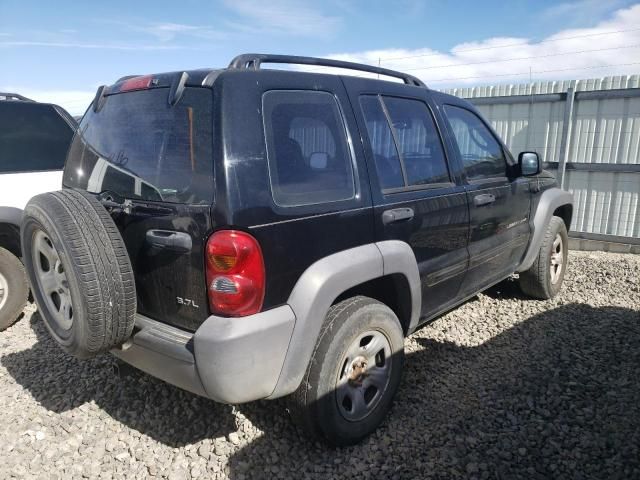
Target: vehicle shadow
[
  {"x": 507, "y": 289},
  {"x": 166, "y": 413},
  {"x": 557, "y": 395}
]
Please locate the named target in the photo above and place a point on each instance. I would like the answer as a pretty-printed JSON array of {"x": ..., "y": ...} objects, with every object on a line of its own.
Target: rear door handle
[
  {"x": 170, "y": 240},
  {"x": 397, "y": 215},
  {"x": 483, "y": 199}
]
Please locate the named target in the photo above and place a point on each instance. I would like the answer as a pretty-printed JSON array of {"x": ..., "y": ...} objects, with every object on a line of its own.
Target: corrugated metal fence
[{"x": 588, "y": 131}]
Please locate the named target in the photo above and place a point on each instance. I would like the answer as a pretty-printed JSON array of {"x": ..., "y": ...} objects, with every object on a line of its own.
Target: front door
[{"x": 498, "y": 202}]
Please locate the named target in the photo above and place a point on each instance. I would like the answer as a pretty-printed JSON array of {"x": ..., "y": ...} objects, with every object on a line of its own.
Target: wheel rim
[
  {"x": 364, "y": 375},
  {"x": 52, "y": 280},
  {"x": 557, "y": 259},
  {"x": 4, "y": 290}
]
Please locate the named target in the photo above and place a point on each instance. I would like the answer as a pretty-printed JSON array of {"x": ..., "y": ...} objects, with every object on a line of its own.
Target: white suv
[{"x": 34, "y": 139}]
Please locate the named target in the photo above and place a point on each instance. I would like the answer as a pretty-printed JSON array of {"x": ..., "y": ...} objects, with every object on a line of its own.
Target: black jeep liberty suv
[{"x": 250, "y": 233}]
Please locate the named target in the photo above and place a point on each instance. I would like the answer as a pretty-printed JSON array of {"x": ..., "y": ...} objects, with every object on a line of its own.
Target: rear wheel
[
  {"x": 544, "y": 279},
  {"x": 14, "y": 288},
  {"x": 354, "y": 373}
]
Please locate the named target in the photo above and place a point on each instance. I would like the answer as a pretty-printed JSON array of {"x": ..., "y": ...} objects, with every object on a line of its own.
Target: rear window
[
  {"x": 307, "y": 150},
  {"x": 33, "y": 137},
  {"x": 139, "y": 147}
]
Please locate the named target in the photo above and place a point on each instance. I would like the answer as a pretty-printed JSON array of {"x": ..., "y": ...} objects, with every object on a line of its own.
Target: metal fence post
[{"x": 565, "y": 141}]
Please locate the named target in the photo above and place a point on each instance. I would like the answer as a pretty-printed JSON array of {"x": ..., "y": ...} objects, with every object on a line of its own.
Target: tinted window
[
  {"x": 481, "y": 153},
  {"x": 309, "y": 160},
  {"x": 418, "y": 141},
  {"x": 33, "y": 137},
  {"x": 119, "y": 181},
  {"x": 385, "y": 153},
  {"x": 140, "y": 147}
]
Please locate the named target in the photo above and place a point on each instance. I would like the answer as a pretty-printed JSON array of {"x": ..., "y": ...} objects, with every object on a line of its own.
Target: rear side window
[
  {"x": 405, "y": 142},
  {"x": 481, "y": 153},
  {"x": 140, "y": 147},
  {"x": 307, "y": 151},
  {"x": 33, "y": 137}
]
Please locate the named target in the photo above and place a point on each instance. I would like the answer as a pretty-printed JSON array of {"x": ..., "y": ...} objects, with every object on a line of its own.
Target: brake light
[
  {"x": 235, "y": 273},
  {"x": 136, "y": 83}
]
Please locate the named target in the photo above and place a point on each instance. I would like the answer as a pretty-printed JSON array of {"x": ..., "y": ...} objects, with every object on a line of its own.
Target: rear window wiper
[
  {"x": 126, "y": 206},
  {"x": 114, "y": 203}
]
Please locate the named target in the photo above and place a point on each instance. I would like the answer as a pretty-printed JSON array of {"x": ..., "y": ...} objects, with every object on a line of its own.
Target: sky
[{"x": 61, "y": 51}]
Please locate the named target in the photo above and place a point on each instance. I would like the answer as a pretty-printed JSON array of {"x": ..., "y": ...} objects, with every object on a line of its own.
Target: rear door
[
  {"x": 498, "y": 200},
  {"x": 156, "y": 160},
  {"x": 417, "y": 193}
]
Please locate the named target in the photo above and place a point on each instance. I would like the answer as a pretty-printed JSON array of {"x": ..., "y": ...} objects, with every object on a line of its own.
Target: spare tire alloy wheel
[
  {"x": 80, "y": 272},
  {"x": 52, "y": 281}
]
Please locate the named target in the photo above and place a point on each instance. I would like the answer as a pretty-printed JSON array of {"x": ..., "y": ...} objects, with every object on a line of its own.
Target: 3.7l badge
[{"x": 187, "y": 302}]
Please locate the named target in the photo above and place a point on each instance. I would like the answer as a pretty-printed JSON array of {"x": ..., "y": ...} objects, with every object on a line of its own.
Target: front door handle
[
  {"x": 397, "y": 215},
  {"x": 170, "y": 240},
  {"x": 484, "y": 199}
]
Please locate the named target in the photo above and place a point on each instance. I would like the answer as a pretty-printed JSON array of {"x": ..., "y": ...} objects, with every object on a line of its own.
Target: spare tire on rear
[{"x": 80, "y": 272}]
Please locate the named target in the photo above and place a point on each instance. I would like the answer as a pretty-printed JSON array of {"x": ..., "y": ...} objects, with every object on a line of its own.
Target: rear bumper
[{"x": 230, "y": 360}]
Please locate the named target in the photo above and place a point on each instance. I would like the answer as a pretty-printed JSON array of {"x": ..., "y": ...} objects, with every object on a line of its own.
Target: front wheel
[
  {"x": 544, "y": 279},
  {"x": 353, "y": 374}
]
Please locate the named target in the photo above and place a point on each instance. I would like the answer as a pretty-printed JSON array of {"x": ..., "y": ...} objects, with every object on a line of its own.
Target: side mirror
[{"x": 529, "y": 163}]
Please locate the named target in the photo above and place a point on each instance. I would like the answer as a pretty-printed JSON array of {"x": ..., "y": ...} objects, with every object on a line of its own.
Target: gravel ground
[{"x": 503, "y": 387}]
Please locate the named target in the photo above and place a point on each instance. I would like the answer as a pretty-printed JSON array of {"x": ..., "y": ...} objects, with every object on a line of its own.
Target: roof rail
[
  {"x": 14, "y": 96},
  {"x": 254, "y": 60}
]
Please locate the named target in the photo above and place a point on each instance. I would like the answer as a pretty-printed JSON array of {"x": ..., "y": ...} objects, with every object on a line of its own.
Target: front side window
[
  {"x": 482, "y": 155},
  {"x": 406, "y": 146},
  {"x": 307, "y": 150}
]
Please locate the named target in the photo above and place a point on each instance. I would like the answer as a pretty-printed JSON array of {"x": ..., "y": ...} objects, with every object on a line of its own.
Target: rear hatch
[{"x": 147, "y": 153}]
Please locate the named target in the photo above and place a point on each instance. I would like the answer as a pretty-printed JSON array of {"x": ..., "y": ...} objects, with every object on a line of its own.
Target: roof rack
[
  {"x": 254, "y": 60},
  {"x": 14, "y": 96}
]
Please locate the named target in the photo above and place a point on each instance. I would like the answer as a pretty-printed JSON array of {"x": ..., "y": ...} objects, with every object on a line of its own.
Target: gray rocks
[{"x": 502, "y": 387}]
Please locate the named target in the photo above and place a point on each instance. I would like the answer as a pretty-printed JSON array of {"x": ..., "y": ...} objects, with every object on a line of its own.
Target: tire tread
[{"x": 101, "y": 265}]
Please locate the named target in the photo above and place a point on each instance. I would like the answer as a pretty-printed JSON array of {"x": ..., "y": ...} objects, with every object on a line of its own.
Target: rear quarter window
[{"x": 308, "y": 155}]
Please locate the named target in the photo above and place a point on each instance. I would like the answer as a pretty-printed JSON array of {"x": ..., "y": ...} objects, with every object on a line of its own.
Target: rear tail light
[{"x": 235, "y": 273}]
